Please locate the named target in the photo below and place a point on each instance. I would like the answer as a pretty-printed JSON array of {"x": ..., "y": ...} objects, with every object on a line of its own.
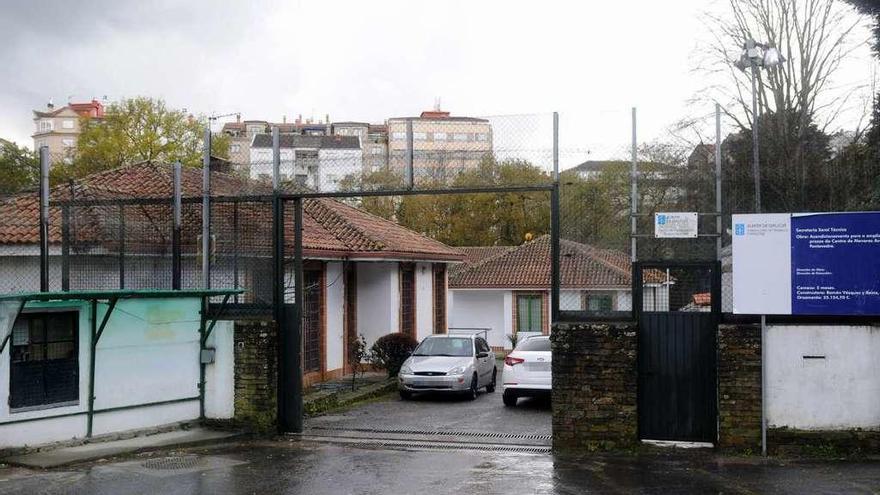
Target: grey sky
[{"x": 366, "y": 61}]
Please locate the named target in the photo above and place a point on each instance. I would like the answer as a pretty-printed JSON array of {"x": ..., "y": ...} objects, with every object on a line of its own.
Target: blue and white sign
[
  {"x": 675, "y": 225},
  {"x": 807, "y": 264}
]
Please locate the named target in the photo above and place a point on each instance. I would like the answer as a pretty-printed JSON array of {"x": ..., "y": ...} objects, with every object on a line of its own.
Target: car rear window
[{"x": 535, "y": 345}]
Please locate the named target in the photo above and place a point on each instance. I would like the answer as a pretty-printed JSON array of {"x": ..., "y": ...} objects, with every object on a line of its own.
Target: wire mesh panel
[
  {"x": 145, "y": 248},
  {"x": 677, "y": 288},
  {"x": 95, "y": 247}
]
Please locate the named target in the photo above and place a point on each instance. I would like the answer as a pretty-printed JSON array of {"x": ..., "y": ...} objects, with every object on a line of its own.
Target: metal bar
[
  {"x": 763, "y": 385},
  {"x": 94, "y": 345},
  {"x": 65, "y": 248},
  {"x": 556, "y": 146},
  {"x": 417, "y": 192},
  {"x": 206, "y": 210},
  {"x": 121, "y": 246},
  {"x": 294, "y": 340},
  {"x": 176, "y": 265},
  {"x": 202, "y": 318},
  {"x": 652, "y": 235},
  {"x": 701, "y": 214},
  {"x": 44, "y": 219},
  {"x": 554, "y": 255},
  {"x": 409, "y": 171},
  {"x": 236, "y": 225},
  {"x": 276, "y": 158},
  {"x": 278, "y": 311},
  {"x": 756, "y": 167},
  {"x": 634, "y": 199},
  {"x": 214, "y": 320},
  {"x": 9, "y": 335},
  {"x": 718, "y": 206},
  {"x": 100, "y": 411},
  {"x": 110, "y": 308},
  {"x": 267, "y": 198}
]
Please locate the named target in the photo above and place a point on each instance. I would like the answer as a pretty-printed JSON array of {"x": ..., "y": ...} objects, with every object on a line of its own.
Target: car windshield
[
  {"x": 445, "y": 346},
  {"x": 534, "y": 345}
]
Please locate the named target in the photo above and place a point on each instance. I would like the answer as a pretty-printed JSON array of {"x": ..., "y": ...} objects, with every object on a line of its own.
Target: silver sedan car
[{"x": 449, "y": 363}]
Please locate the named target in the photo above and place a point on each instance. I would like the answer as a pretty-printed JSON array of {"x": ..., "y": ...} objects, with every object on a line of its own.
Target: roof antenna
[{"x": 437, "y": 104}]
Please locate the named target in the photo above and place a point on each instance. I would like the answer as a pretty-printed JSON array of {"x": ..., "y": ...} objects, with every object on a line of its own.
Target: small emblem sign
[{"x": 675, "y": 225}]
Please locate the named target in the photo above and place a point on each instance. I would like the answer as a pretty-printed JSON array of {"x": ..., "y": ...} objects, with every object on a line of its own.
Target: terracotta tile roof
[
  {"x": 331, "y": 228},
  {"x": 528, "y": 266},
  {"x": 474, "y": 254}
]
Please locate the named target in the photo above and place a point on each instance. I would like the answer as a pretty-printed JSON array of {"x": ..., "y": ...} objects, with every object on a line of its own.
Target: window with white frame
[
  {"x": 235, "y": 148},
  {"x": 482, "y": 136},
  {"x": 67, "y": 142},
  {"x": 67, "y": 124},
  {"x": 420, "y": 136},
  {"x": 398, "y": 136},
  {"x": 439, "y": 136},
  {"x": 460, "y": 136},
  {"x": 45, "y": 125},
  {"x": 377, "y": 150}
]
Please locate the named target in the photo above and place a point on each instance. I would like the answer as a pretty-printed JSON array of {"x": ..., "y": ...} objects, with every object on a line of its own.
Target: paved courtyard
[{"x": 486, "y": 414}]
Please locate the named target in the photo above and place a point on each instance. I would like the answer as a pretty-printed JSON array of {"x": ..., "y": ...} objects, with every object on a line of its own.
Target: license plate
[{"x": 540, "y": 367}]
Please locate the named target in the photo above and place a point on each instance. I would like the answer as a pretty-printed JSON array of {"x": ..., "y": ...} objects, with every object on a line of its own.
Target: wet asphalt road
[{"x": 294, "y": 467}]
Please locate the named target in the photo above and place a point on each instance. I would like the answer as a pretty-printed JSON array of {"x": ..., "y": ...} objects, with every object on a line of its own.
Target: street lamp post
[{"x": 755, "y": 56}]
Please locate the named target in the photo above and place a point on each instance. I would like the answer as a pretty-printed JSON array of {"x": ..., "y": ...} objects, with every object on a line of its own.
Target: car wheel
[
  {"x": 509, "y": 399},
  {"x": 405, "y": 395},
  {"x": 472, "y": 392},
  {"x": 491, "y": 386}
]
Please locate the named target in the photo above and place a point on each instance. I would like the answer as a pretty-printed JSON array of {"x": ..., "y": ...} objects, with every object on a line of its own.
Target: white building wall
[
  {"x": 335, "y": 164},
  {"x": 378, "y": 308},
  {"x": 149, "y": 352},
  {"x": 335, "y": 316},
  {"x": 839, "y": 388},
  {"x": 483, "y": 308},
  {"x": 424, "y": 300}
]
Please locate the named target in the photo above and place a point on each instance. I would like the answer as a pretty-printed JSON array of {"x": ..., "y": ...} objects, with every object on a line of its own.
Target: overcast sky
[{"x": 367, "y": 61}]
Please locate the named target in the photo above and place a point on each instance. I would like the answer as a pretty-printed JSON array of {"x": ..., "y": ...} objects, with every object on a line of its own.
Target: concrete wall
[
  {"x": 335, "y": 298},
  {"x": 378, "y": 308},
  {"x": 483, "y": 308},
  {"x": 823, "y": 377},
  {"x": 149, "y": 352},
  {"x": 424, "y": 300}
]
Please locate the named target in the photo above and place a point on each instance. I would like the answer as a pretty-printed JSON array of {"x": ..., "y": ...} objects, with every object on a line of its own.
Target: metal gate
[{"x": 678, "y": 307}]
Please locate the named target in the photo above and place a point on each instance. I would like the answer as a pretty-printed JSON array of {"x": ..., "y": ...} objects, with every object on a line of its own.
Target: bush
[{"x": 390, "y": 351}]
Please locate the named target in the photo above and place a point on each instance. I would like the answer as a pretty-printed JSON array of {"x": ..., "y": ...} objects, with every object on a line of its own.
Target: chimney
[
  {"x": 51, "y": 104},
  {"x": 299, "y": 119},
  {"x": 326, "y": 118},
  {"x": 284, "y": 119},
  {"x": 238, "y": 118}
]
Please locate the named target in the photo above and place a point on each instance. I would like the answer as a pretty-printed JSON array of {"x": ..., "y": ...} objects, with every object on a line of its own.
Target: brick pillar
[
  {"x": 739, "y": 386},
  {"x": 594, "y": 386},
  {"x": 256, "y": 373}
]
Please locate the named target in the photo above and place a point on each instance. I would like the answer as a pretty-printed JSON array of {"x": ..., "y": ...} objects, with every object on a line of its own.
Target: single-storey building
[
  {"x": 91, "y": 363},
  {"x": 506, "y": 289},
  {"x": 364, "y": 275}
]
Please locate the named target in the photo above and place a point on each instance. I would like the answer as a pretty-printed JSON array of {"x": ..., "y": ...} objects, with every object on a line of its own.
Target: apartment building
[
  {"x": 442, "y": 144},
  {"x": 59, "y": 128},
  {"x": 320, "y": 163}
]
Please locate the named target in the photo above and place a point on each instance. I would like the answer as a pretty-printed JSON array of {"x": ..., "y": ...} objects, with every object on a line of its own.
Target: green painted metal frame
[{"x": 97, "y": 330}]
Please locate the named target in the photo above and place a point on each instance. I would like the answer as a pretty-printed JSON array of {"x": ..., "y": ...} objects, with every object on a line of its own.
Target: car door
[{"x": 485, "y": 363}]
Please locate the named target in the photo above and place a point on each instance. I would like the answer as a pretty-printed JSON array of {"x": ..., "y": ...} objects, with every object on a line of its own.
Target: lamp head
[{"x": 772, "y": 57}]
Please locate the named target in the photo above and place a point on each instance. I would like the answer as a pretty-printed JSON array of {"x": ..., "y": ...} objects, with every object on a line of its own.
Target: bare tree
[{"x": 815, "y": 36}]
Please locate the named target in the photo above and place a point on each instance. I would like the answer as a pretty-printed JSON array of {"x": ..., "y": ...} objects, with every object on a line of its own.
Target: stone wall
[
  {"x": 739, "y": 387},
  {"x": 256, "y": 373},
  {"x": 594, "y": 386}
]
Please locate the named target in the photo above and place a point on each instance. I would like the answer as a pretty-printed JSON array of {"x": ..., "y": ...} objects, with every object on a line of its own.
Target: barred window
[{"x": 44, "y": 360}]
